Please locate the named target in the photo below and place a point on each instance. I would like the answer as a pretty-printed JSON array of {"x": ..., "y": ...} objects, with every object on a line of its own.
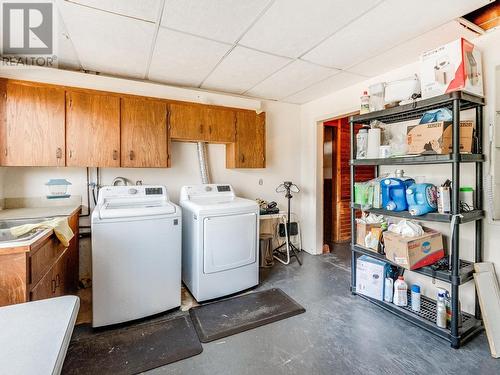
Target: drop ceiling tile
[
  {"x": 223, "y": 20},
  {"x": 323, "y": 88},
  {"x": 144, "y": 9},
  {"x": 182, "y": 59},
  {"x": 291, "y": 79},
  {"x": 291, "y": 27},
  {"x": 389, "y": 24},
  {"x": 410, "y": 51},
  {"x": 114, "y": 44},
  {"x": 66, "y": 54},
  {"x": 242, "y": 69}
]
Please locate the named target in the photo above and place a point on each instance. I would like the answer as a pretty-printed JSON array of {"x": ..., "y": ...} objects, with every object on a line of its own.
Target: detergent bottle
[
  {"x": 394, "y": 191},
  {"x": 421, "y": 198}
]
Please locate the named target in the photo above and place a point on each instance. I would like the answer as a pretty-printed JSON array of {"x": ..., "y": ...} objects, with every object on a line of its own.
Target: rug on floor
[
  {"x": 233, "y": 315},
  {"x": 133, "y": 349}
]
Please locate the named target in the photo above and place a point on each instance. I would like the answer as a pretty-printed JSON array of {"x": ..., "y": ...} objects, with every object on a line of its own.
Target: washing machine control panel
[{"x": 223, "y": 188}]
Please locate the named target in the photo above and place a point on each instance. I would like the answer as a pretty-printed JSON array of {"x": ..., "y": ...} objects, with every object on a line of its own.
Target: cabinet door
[
  {"x": 186, "y": 122},
  {"x": 92, "y": 130},
  {"x": 249, "y": 150},
  {"x": 144, "y": 135},
  {"x": 220, "y": 125},
  {"x": 53, "y": 284},
  {"x": 33, "y": 126}
]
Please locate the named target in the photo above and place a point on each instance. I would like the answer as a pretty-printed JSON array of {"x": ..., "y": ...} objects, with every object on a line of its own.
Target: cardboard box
[
  {"x": 370, "y": 275},
  {"x": 452, "y": 67},
  {"x": 362, "y": 230},
  {"x": 414, "y": 252},
  {"x": 436, "y": 138}
]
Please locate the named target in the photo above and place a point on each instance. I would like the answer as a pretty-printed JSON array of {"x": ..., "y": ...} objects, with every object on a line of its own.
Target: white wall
[
  {"x": 346, "y": 101},
  {"x": 283, "y": 158}
]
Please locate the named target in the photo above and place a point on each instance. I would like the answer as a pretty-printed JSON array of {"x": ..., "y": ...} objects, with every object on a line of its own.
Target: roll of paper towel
[{"x": 373, "y": 143}]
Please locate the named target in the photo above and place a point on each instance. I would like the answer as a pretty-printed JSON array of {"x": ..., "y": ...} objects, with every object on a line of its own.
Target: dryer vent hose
[{"x": 201, "y": 147}]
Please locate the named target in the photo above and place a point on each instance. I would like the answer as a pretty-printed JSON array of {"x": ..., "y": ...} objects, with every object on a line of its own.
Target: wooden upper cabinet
[
  {"x": 220, "y": 125},
  {"x": 144, "y": 133},
  {"x": 186, "y": 122},
  {"x": 92, "y": 129},
  {"x": 32, "y": 125},
  {"x": 249, "y": 150},
  {"x": 197, "y": 122}
]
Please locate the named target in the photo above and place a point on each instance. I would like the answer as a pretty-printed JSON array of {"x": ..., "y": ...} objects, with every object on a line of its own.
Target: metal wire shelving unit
[{"x": 461, "y": 270}]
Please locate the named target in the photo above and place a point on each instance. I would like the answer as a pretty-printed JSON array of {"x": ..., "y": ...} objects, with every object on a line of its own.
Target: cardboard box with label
[
  {"x": 436, "y": 138},
  {"x": 414, "y": 252},
  {"x": 370, "y": 275},
  {"x": 452, "y": 67}
]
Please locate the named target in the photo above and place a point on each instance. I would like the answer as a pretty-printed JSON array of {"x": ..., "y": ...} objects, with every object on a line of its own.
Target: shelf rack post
[
  {"x": 455, "y": 203},
  {"x": 479, "y": 200},
  {"x": 353, "y": 211}
]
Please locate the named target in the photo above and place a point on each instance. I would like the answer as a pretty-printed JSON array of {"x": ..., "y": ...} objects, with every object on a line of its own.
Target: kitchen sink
[{"x": 5, "y": 225}]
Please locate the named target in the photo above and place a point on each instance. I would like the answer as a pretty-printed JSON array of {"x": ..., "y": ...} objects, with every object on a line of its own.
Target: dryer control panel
[{"x": 206, "y": 190}]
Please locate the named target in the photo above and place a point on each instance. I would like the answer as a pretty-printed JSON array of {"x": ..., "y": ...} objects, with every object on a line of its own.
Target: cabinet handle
[
  {"x": 58, "y": 281},
  {"x": 59, "y": 153},
  {"x": 131, "y": 155},
  {"x": 70, "y": 154},
  {"x": 6, "y": 151},
  {"x": 115, "y": 155},
  {"x": 201, "y": 128},
  {"x": 242, "y": 158},
  {"x": 53, "y": 282},
  {"x": 209, "y": 129}
]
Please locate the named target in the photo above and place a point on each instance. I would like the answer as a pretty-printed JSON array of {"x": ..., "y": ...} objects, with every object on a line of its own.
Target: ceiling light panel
[
  {"x": 183, "y": 59},
  {"x": 292, "y": 27},
  {"x": 242, "y": 69},
  {"x": 292, "y": 78},
  {"x": 113, "y": 44},
  {"x": 389, "y": 24},
  {"x": 222, "y": 20}
]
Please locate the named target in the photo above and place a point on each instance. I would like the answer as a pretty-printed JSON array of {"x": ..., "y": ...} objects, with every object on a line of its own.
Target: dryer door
[{"x": 229, "y": 242}]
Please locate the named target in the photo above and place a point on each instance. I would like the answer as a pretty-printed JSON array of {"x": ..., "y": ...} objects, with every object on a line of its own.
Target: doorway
[{"x": 336, "y": 182}]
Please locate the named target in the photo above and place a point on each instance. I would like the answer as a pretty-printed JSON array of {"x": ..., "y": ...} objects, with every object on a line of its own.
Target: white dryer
[
  {"x": 219, "y": 241},
  {"x": 136, "y": 254}
]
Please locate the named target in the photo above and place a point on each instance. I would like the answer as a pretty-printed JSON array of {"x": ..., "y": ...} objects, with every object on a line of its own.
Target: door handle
[
  {"x": 131, "y": 155},
  {"x": 115, "y": 155}
]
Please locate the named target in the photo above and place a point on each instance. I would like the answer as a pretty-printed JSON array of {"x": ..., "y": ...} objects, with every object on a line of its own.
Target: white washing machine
[
  {"x": 219, "y": 241},
  {"x": 136, "y": 254}
]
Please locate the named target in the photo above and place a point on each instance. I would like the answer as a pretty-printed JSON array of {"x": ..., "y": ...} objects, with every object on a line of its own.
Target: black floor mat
[
  {"x": 133, "y": 349},
  {"x": 224, "y": 318}
]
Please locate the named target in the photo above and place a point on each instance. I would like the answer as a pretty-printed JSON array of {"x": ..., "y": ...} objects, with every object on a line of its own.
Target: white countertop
[{"x": 37, "y": 212}]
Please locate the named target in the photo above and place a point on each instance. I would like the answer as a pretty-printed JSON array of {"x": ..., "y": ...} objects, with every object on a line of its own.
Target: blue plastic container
[
  {"x": 394, "y": 193},
  {"x": 421, "y": 198}
]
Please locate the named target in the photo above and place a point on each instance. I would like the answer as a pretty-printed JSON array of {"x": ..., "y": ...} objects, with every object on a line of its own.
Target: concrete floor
[{"x": 338, "y": 334}]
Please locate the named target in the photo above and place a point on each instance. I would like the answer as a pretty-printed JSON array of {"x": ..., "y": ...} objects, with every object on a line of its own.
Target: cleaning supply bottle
[
  {"x": 415, "y": 297},
  {"x": 421, "y": 198},
  {"x": 365, "y": 103},
  {"x": 388, "y": 289},
  {"x": 394, "y": 191},
  {"x": 441, "y": 309},
  {"x": 401, "y": 292},
  {"x": 361, "y": 143}
]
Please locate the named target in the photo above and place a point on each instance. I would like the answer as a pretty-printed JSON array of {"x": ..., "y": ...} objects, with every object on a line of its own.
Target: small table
[
  {"x": 35, "y": 335},
  {"x": 282, "y": 217}
]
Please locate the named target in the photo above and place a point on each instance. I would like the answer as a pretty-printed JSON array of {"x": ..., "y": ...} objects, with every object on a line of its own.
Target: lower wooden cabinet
[
  {"x": 249, "y": 150},
  {"x": 43, "y": 270}
]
